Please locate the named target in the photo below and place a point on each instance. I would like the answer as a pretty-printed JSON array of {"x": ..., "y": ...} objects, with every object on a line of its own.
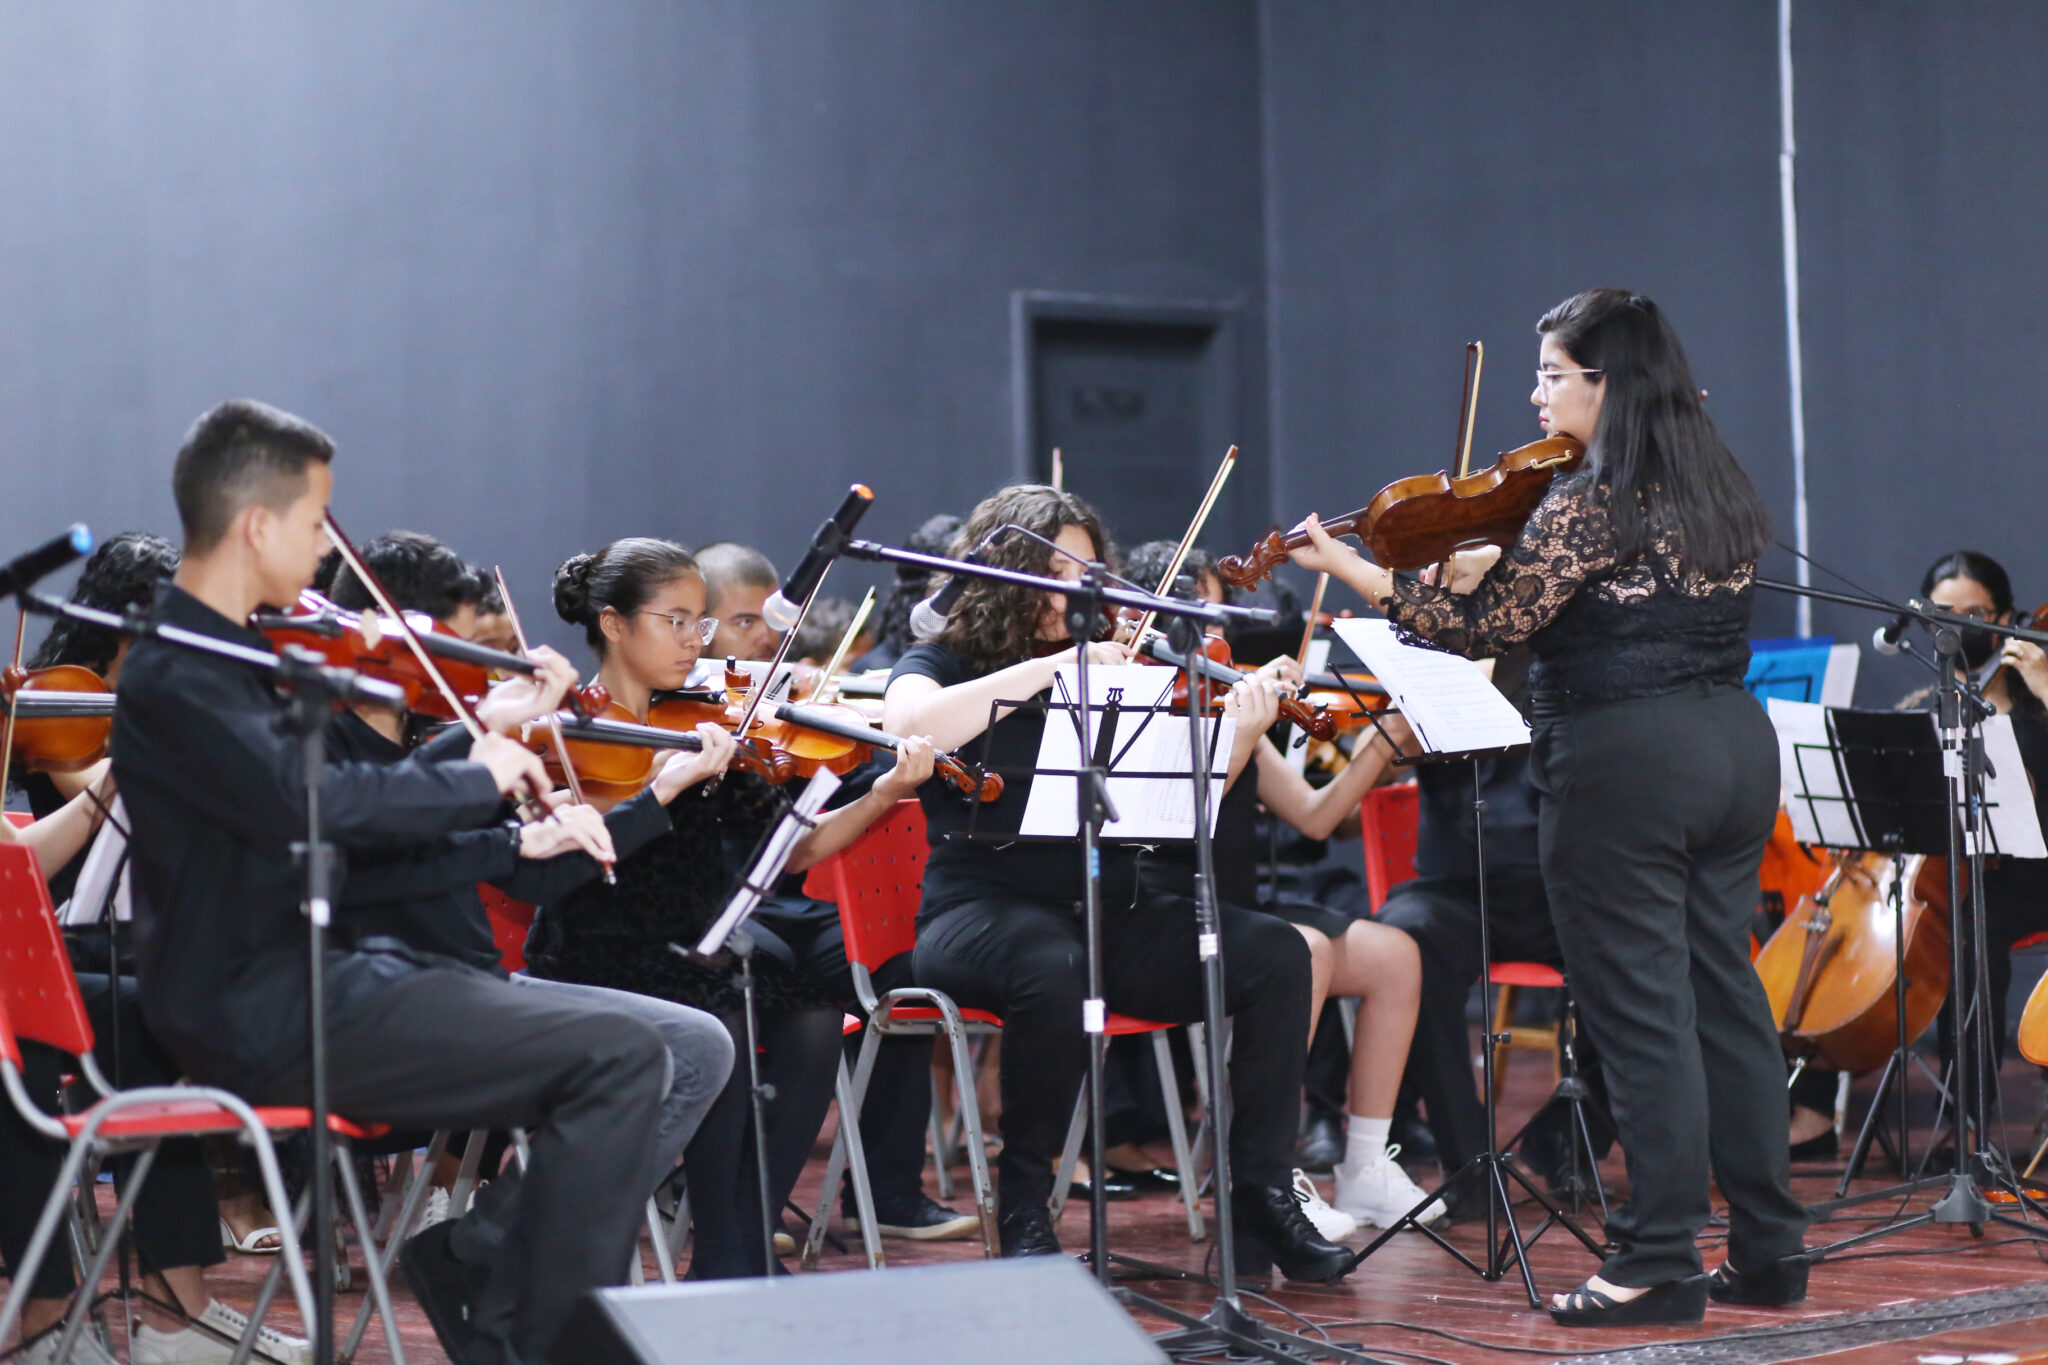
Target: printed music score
[
  {"x": 1143, "y": 742},
  {"x": 1450, "y": 703}
]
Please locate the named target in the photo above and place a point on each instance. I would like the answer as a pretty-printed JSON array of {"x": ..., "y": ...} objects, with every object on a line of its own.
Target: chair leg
[
  {"x": 856, "y": 1157},
  {"x": 393, "y": 1236},
  {"x": 1070, "y": 1158},
  {"x": 466, "y": 1176},
  {"x": 373, "y": 1264},
  {"x": 942, "y": 1159},
  {"x": 1177, "y": 1129},
  {"x": 89, "y": 1282},
  {"x": 977, "y": 1148},
  {"x": 664, "y": 1258}
]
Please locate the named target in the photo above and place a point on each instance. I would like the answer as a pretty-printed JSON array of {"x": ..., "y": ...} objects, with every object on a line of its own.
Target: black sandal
[
  {"x": 1673, "y": 1303},
  {"x": 1776, "y": 1284}
]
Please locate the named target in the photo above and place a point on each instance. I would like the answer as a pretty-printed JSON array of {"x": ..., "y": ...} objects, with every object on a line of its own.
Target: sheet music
[
  {"x": 1143, "y": 741},
  {"x": 1809, "y": 782},
  {"x": 102, "y": 858},
  {"x": 774, "y": 857},
  {"x": 2014, "y": 827},
  {"x": 1452, "y": 706}
]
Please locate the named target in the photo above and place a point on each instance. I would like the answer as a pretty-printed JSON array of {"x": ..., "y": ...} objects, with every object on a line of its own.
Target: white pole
[{"x": 1789, "y": 215}]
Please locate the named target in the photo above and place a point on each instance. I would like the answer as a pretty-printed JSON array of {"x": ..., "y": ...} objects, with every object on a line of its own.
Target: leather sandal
[{"x": 1673, "y": 1303}]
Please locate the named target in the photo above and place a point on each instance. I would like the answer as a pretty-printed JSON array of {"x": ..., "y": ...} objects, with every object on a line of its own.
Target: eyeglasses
[
  {"x": 1546, "y": 378},
  {"x": 703, "y": 627}
]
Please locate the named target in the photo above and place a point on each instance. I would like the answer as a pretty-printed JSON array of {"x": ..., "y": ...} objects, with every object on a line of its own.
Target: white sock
[{"x": 1365, "y": 1140}]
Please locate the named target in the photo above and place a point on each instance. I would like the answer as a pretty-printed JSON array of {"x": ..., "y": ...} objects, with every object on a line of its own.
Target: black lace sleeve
[{"x": 1568, "y": 540}]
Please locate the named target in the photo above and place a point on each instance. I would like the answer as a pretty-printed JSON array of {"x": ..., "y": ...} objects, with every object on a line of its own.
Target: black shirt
[
  {"x": 424, "y": 896},
  {"x": 1600, "y": 629},
  {"x": 215, "y": 798},
  {"x": 1039, "y": 869}
]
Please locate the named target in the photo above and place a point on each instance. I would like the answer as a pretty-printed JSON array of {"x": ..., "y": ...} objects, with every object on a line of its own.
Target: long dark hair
[
  {"x": 622, "y": 576},
  {"x": 994, "y": 625},
  {"x": 1666, "y": 466},
  {"x": 1977, "y": 567},
  {"x": 121, "y": 574}
]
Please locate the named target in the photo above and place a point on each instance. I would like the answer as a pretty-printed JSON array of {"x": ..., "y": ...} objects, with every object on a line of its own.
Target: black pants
[
  {"x": 1024, "y": 960},
  {"x": 1653, "y": 819},
  {"x": 177, "y": 1216},
  {"x": 799, "y": 1057},
  {"x": 452, "y": 1047},
  {"x": 1442, "y": 915},
  {"x": 898, "y": 1103}
]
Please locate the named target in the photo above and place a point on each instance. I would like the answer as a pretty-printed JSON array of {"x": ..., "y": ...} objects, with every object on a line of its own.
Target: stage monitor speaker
[{"x": 1023, "y": 1312}]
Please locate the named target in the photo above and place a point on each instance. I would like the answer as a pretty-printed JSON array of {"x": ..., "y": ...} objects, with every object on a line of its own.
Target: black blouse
[{"x": 1600, "y": 629}]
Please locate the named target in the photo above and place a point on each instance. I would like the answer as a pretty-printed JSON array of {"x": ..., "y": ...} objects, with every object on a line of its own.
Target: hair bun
[{"x": 572, "y": 589}]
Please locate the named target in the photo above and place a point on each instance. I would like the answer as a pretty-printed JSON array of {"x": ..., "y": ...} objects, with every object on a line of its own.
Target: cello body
[{"x": 1830, "y": 970}]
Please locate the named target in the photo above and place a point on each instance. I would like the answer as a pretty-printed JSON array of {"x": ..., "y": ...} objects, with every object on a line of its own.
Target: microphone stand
[
  {"x": 308, "y": 688},
  {"x": 1958, "y": 719}
]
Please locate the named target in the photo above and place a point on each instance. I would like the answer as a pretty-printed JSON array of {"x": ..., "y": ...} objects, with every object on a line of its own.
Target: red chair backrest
[
  {"x": 36, "y": 983},
  {"x": 1388, "y": 818},
  {"x": 510, "y": 920},
  {"x": 877, "y": 885},
  {"x": 20, "y": 819}
]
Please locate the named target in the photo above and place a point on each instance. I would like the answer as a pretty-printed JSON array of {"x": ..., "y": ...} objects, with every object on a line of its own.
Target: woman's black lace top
[
  {"x": 669, "y": 892},
  {"x": 1600, "y": 629}
]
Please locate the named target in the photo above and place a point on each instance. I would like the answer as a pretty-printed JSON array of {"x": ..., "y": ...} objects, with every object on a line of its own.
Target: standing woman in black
[{"x": 1658, "y": 781}]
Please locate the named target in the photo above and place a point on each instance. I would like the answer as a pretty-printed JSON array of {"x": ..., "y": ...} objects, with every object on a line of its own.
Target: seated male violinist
[
  {"x": 215, "y": 797},
  {"x": 424, "y": 899}
]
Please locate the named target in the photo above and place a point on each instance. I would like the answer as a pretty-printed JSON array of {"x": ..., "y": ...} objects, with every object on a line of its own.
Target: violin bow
[
  {"x": 758, "y": 693},
  {"x": 554, "y": 719},
  {"x": 14, "y": 679},
  {"x": 1187, "y": 542},
  {"x": 529, "y": 803},
  {"x": 1308, "y": 631},
  {"x": 1059, "y": 472},
  {"x": 1468, "y": 418},
  {"x": 831, "y": 673}
]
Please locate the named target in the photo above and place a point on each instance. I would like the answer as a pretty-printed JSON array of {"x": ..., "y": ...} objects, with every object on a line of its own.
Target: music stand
[
  {"x": 1867, "y": 782},
  {"x": 727, "y": 940}
]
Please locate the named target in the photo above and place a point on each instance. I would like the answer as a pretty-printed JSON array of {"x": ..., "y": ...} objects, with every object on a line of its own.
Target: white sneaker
[
  {"x": 270, "y": 1343},
  {"x": 435, "y": 1210},
  {"x": 1334, "y": 1224},
  {"x": 1379, "y": 1192},
  {"x": 88, "y": 1351}
]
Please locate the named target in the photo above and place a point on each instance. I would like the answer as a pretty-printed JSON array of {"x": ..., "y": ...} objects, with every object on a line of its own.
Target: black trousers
[
  {"x": 453, "y": 1047},
  {"x": 899, "y": 1097},
  {"x": 177, "y": 1216},
  {"x": 1442, "y": 915},
  {"x": 1024, "y": 959},
  {"x": 1652, "y": 824}
]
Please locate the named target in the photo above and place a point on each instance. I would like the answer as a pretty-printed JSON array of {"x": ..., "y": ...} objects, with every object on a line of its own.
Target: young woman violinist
[
  {"x": 1658, "y": 780},
  {"x": 641, "y": 604},
  {"x": 1376, "y": 963},
  {"x": 999, "y": 931}
]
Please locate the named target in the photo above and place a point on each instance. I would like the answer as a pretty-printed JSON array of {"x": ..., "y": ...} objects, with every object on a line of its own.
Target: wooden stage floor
[{"x": 1934, "y": 1295}]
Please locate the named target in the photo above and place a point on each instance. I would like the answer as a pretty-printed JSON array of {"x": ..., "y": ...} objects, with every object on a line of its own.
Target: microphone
[
  {"x": 1885, "y": 639},
  {"x": 928, "y": 617},
  {"x": 786, "y": 604},
  {"x": 22, "y": 572}
]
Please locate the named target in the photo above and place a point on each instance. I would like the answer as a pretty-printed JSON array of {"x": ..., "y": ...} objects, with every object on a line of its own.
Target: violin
[
  {"x": 63, "y": 717},
  {"x": 1317, "y": 722},
  {"x": 1424, "y": 519},
  {"x": 377, "y": 647},
  {"x": 1831, "y": 969},
  {"x": 612, "y": 753}
]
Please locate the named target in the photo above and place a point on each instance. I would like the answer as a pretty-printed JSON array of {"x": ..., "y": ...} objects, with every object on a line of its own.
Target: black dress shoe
[
  {"x": 1775, "y": 1284},
  {"x": 1027, "y": 1230},
  {"x": 1418, "y": 1141},
  {"x": 1823, "y": 1146},
  {"x": 447, "y": 1290},
  {"x": 1272, "y": 1230},
  {"x": 1118, "y": 1186},
  {"x": 1158, "y": 1180},
  {"x": 1322, "y": 1141},
  {"x": 1672, "y": 1303}
]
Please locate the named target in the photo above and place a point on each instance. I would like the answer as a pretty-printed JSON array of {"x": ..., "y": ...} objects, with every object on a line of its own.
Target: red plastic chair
[
  {"x": 510, "y": 921},
  {"x": 40, "y": 1002},
  {"x": 1390, "y": 820},
  {"x": 878, "y": 885}
]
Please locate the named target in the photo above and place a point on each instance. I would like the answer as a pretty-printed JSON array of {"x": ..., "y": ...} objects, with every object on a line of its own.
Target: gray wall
[{"x": 554, "y": 273}]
